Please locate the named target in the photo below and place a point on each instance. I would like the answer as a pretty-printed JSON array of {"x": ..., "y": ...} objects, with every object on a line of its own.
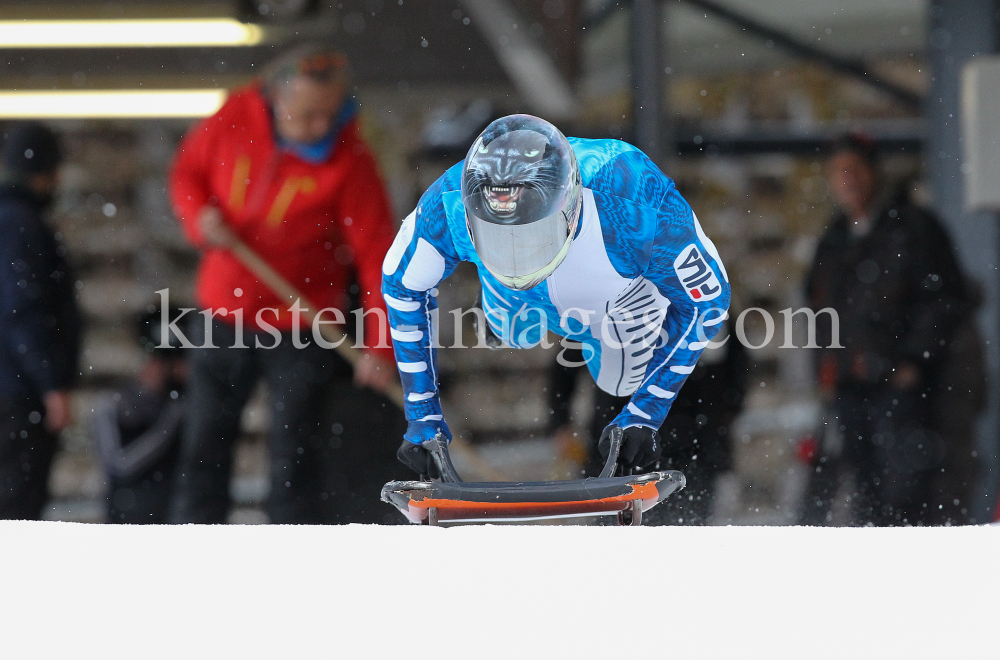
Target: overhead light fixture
[
  {"x": 128, "y": 33},
  {"x": 109, "y": 104}
]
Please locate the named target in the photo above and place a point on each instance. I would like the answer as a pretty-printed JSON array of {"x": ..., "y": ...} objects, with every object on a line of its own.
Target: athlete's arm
[
  {"x": 686, "y": 268},
  {"x": 421, "y": 256}
]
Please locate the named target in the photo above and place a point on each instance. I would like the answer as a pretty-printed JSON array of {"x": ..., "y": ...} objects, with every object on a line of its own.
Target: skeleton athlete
[{"x": 586, "y": 238}]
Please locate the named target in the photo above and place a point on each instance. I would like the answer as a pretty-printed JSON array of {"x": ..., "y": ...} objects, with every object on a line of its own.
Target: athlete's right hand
[
  {"x": 413, "y": 455},
  {"x": 417, "y": 459}
]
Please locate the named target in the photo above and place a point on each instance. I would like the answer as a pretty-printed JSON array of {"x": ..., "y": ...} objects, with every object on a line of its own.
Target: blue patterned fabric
[{"x": 649, "y": 236}]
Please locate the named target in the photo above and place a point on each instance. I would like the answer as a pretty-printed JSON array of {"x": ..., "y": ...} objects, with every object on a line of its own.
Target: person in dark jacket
[
  {"x": 887, "y": 268},
  {"x": 138, "y": 430},
  {"x": 39, "y": 322}
]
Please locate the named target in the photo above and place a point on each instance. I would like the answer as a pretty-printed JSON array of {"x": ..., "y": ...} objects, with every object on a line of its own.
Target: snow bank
[{"x": 95, "y": 591}]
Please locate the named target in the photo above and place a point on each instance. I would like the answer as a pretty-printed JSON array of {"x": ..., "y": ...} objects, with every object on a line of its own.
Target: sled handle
[
  {"x": 616, "y": 445},
  {"x": 438, "y": 449}
]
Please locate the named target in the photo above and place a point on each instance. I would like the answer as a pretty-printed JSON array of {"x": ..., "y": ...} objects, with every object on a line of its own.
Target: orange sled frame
[{"x": 452, "y": 500}]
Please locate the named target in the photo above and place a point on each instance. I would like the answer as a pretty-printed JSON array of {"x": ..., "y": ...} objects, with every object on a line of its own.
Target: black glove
[
  {"x": 417, "y": 459},
  {"x": 641, "y": 446}
]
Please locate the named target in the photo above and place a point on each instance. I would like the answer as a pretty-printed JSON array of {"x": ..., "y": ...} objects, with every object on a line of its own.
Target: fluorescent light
[
  {"x": 111, "y": 103},
  {"x": 146, "y": 32}
]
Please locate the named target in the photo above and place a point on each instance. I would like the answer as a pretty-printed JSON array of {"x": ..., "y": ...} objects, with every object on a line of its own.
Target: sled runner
[{"x": 452, "y": 500}]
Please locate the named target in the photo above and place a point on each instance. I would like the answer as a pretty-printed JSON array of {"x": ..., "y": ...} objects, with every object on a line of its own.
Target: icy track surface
[{"x": 231, "y": 592}]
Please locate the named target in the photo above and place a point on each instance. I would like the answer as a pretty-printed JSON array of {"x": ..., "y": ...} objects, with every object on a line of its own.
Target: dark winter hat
[{"x": 30, "y": 148}]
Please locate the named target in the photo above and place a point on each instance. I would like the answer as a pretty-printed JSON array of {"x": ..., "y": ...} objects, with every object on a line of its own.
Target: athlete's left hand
[{"x": 641, "y": 446}]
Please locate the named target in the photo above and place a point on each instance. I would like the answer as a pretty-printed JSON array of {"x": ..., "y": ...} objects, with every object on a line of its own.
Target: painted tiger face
[
  {"x": 501, "y": 172},
  {"x": 521, "y": 190}
]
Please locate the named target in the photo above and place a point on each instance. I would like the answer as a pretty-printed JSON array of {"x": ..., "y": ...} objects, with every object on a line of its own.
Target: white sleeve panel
[
  {"x": 709, "y": 246},
  {"x": 399, "y": 245},
  {"x": 426, "y": 268}
]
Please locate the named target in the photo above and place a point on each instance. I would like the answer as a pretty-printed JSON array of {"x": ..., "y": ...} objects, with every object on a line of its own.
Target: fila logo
[{"x": 696, "y": 275}]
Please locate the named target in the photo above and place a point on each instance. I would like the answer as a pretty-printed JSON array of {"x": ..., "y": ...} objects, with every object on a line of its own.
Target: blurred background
[{"x": 735, "y": 100}]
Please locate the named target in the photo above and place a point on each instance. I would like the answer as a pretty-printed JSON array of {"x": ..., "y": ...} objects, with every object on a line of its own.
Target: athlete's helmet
[{"x": 522, "y": 195}]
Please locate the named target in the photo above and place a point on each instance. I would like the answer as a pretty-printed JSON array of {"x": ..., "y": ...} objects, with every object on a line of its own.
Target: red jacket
[{"x": 312, "y": 223}]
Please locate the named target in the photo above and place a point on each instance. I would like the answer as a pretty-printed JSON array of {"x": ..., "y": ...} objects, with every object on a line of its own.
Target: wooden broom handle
[{"x": 348, "y": 351}]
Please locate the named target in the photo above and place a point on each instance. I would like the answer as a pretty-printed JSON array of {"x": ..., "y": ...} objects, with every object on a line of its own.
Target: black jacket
[
  {"x": 898, "y": 292},
  {"x": 39, "y": 320}
]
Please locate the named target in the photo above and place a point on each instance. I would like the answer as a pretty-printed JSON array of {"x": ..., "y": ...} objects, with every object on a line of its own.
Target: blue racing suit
[{"x": 642, "y": 287}]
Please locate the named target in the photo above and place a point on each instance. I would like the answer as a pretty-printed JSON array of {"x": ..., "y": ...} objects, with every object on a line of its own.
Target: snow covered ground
[{"x": 96, "y": 591}]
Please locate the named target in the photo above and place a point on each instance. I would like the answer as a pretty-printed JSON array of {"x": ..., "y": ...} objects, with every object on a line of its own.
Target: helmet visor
[
  {"x": 521, "y": 191},
  {"x": 517, "y": 250}
]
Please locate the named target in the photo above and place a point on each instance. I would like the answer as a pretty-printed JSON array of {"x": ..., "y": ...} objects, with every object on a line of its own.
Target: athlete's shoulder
[
  {"x": 432, "y": 199},
  {"x": 449, "y": 182},
  {"x": 431, "y": 218},
  {"x": 618, "y": 168},
  {"x": 592, "y": 155}
]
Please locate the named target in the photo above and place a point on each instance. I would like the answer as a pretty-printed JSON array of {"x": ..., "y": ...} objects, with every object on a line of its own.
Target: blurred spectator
[
  {"x": 695, "y": 433},
  {"x": 138, "y": 430},
  {"x": 281, "y": 167},
  {"x": 888, "y": 269},
  {"x": 40, "y": 325},
  {"x": 959, "y": 399}
]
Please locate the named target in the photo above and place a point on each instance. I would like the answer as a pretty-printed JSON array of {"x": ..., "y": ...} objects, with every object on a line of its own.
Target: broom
[{"x": 353, "y": 355}]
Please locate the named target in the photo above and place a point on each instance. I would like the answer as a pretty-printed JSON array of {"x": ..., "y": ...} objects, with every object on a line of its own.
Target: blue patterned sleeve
[
  {"x": 686, "y": 268},
  {"x": 421, "y": 256}
]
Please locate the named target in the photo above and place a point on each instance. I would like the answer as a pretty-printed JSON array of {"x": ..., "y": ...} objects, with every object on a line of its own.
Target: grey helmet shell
[{"x": 522, "y": 195}]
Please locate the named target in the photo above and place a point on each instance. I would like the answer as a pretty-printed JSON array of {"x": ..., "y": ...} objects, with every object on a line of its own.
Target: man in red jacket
[{"x": 282, "y": 168}]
